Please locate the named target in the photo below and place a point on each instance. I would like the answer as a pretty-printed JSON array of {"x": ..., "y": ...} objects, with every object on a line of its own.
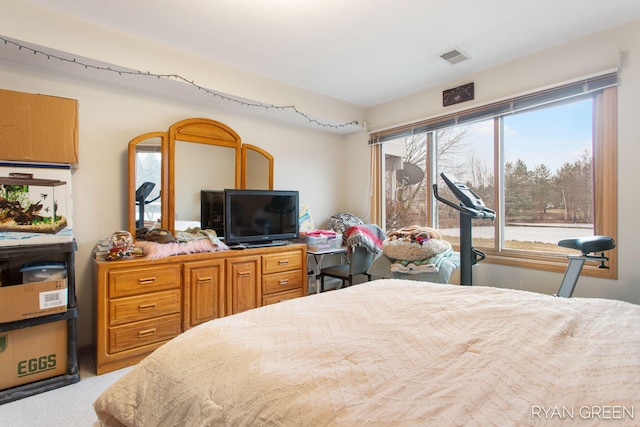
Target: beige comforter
[{"x": 394, "y": 353}]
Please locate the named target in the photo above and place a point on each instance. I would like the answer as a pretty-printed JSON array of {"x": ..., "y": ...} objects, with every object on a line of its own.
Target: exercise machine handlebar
[{"x": 470, "y": 203}]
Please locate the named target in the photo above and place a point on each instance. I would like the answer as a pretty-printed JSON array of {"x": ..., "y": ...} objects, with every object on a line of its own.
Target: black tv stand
[{"x": 267, "y": 244}]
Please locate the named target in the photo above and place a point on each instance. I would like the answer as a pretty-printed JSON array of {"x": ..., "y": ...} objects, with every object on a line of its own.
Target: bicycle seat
[{"x": 589, "y": 244}]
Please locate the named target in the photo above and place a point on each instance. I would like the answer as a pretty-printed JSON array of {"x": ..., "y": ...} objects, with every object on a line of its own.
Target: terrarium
[{"x": 29, "y": 204}]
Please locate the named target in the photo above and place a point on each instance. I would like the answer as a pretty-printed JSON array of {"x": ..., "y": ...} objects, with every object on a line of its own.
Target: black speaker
[{"x": 212, "y": 211}]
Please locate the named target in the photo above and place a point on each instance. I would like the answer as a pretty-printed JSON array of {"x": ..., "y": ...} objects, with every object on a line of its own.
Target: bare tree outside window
[{"x": 548, "y": 176}]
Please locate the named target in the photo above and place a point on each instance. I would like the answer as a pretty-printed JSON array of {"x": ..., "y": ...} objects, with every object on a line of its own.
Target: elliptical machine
[
  {"x": 141, "y": 200},
  {"x": 470, "y": 207}
]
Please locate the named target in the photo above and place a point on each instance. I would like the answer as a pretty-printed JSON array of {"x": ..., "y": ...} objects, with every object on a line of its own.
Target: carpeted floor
[{"x": 69, "y": 406}]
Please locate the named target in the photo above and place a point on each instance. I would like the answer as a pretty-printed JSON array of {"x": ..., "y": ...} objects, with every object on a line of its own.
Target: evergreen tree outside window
[{"x": 538, "y": 161}]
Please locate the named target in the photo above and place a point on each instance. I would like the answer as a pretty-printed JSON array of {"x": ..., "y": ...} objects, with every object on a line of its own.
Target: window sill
[{"x": 554, "y": 263}]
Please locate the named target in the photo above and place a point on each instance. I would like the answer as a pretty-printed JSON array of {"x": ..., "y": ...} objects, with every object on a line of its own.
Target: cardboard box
[
  {"x": 33, "y": 354},
  {"x": 20, "y": 302},
  {"x": 38, "y": 128}
]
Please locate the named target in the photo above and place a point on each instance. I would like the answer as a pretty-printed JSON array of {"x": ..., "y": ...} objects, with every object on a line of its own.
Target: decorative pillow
[
  {"x": 407, "y": 250},
  {"x": 413, "y": 243}
]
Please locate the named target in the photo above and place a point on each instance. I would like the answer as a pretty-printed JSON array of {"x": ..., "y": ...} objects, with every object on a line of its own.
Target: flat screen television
[{"x": 260, "y": 217}]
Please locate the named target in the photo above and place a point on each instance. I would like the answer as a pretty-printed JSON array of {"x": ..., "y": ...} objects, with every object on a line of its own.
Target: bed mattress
[{"x": 393, "y": 353}]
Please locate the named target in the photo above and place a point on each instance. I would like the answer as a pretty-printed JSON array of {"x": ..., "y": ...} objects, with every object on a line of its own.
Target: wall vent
[{"x": 454, "y": 56}]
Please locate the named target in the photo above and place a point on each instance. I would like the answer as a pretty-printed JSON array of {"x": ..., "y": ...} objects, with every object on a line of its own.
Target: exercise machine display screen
[{"x": 463, "y": 193}]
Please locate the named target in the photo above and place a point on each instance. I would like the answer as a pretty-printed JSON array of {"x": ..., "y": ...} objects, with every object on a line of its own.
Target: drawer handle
[
  {"x": 146, "y": 333},
  {"x": 244, "y": 273},
  {"x": 284, "y": 281},
  {"x": 283, "y": 262},
  {"x": 143, "y": 307},
  {"x": 147, "y": 281},
  {"x": 205, "y": 279}
]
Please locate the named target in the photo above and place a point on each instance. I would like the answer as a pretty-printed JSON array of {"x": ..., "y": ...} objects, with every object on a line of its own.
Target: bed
[{"x": 393, "y": 353}]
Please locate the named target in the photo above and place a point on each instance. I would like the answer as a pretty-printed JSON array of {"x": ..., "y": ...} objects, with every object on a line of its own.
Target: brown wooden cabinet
[
  {"x": 139, "y": 308},
  {"x": 204, "y": 291},
  {"x": 143, "y": 303},
  {"x": 243, "y": 284},
  {"x": 283, "y": 276}
]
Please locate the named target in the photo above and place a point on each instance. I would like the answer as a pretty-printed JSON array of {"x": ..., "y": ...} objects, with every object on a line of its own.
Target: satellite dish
[{"x": 410, "y": 174}]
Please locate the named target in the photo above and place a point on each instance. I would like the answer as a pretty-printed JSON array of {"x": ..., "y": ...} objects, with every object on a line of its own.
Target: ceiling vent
[{"x": 454, "y": 56}]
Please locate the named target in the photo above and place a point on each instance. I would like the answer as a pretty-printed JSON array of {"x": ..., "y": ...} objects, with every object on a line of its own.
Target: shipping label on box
[
  {"x": 33, "y": 354},
  {"x": 53, "y": 299},
  {"x": 20, "y": 302}
]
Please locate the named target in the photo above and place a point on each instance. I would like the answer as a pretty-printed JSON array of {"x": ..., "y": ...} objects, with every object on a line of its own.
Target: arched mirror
[
  {"x": 203, "y": 155},
  {"x": 257, "y": 168},
  {"x": 194, "y": 155},
  {"x": 147, "y": 180}
]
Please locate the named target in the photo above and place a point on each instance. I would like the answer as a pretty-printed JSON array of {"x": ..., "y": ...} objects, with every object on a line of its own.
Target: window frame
[{"x": 605, "y": 170}]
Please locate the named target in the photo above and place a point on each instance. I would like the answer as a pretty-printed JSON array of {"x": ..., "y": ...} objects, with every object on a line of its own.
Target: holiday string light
[{"x": 176, "y": 77}]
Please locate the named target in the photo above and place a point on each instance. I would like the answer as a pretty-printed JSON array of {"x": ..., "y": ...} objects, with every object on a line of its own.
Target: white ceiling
[{"x": 362, "y": 51}]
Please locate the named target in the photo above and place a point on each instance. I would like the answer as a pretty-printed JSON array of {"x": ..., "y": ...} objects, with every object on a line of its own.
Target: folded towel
[{"x": 430, "y": 265}]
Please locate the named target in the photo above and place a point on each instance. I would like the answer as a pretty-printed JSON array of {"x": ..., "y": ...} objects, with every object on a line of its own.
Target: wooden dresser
[{"x": 143, "y": 303}]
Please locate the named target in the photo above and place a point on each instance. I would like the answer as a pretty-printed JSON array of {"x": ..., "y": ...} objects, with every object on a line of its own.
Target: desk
[{"x": 318, "y": 256}]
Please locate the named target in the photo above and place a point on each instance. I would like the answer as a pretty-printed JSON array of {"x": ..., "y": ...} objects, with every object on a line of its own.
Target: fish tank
[{"x": 29, "y": 204}]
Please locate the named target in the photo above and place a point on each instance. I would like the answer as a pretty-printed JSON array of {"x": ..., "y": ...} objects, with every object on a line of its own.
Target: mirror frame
[
  {"x": 196, "y": 130},
  {"x": 266, "y": 154},
  {"x": 201, "y": 131},
  {"x": 132, "y": 177}
]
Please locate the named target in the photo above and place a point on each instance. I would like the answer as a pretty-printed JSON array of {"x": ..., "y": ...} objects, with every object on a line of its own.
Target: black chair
[{"x": 358, "y": 262}]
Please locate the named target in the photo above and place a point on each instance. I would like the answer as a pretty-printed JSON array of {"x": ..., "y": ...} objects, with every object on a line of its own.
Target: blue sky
[{"x": 549, "y": 136}]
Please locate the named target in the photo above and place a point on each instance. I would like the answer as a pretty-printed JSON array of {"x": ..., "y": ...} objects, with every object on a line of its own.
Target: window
[
  {"x": 545, "y": 162},
  {"x": 548, "y": 180}
]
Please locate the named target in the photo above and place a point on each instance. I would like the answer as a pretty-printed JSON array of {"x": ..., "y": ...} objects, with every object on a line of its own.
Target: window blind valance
[{"x": 507, "y": 106}]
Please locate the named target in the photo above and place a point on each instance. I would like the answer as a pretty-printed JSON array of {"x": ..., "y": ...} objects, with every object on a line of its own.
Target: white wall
[
  {"x": 307, "y": 158},
  {"x": 330, "y": 171},
  {"x": 109, "y": 118},
  {"x": 580, "y": 58}
]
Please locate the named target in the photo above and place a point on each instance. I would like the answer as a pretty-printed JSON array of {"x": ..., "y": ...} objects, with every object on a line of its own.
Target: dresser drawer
[
  {"x": 279, "y": 282},
  {"x": 142, "y": 307},
  {"x": 284, "y": 261},
  {"x": 143, "y": 280},
  {"x": 138, "y": 334},
  {"x": 281, "y": 296}
]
